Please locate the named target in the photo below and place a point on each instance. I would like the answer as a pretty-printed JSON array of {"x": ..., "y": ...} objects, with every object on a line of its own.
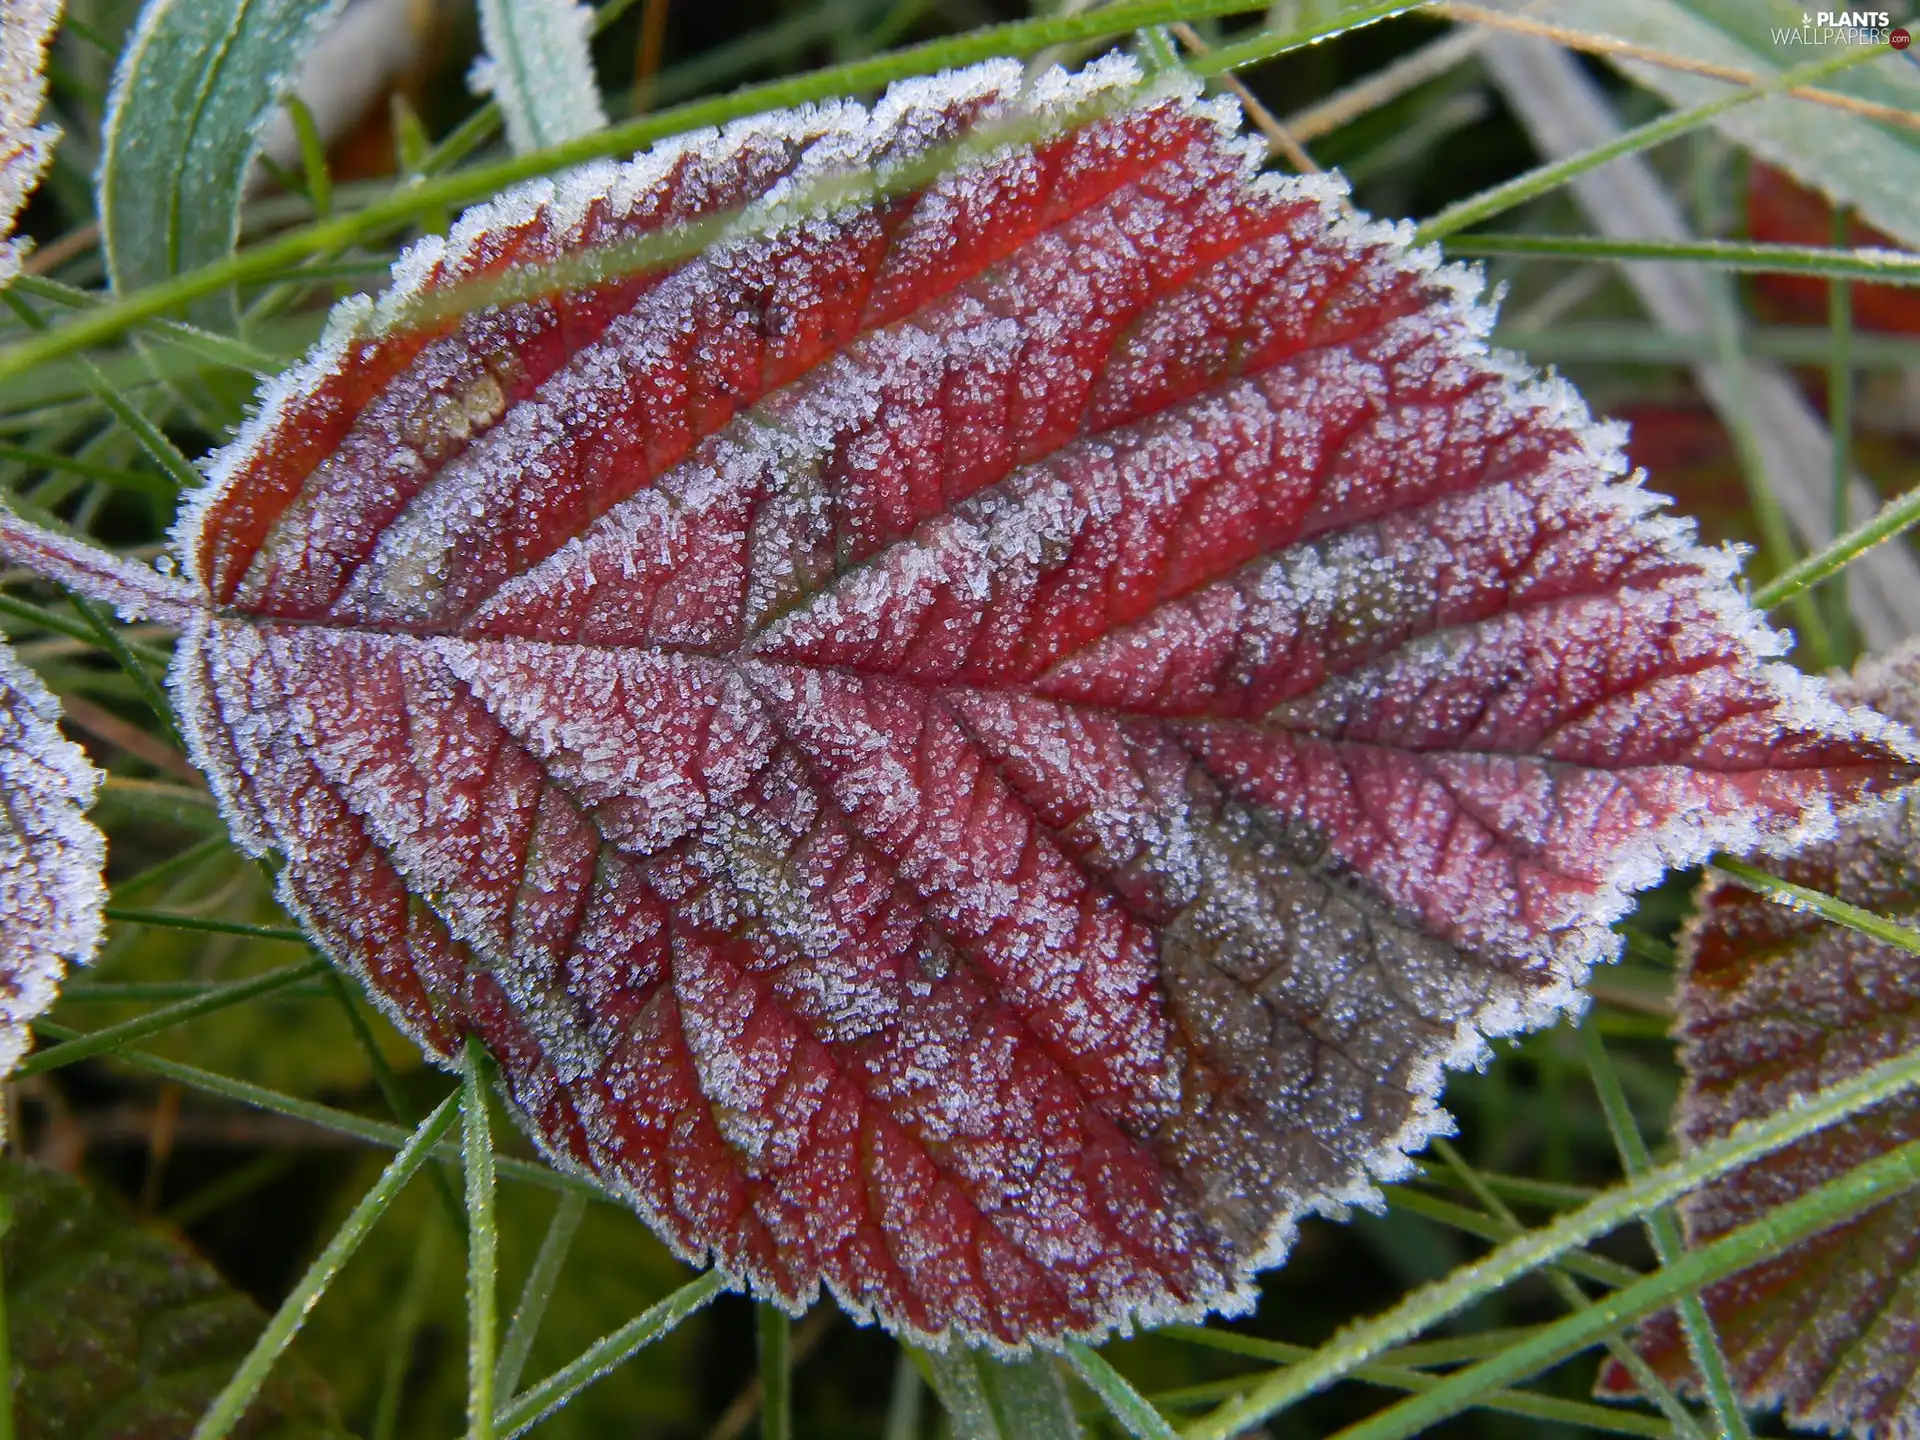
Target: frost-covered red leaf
[
  {"x": 26, "y": 29},
  {"x": 1777, "y": 1003},
  {"x": 985, "y": 746},
  {"x": 50, "y": 856}
]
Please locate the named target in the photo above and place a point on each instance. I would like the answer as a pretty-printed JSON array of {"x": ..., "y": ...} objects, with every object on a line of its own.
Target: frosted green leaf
[
  {"x": 194, "y": 90},
  {"x": 538, "y": 67}
]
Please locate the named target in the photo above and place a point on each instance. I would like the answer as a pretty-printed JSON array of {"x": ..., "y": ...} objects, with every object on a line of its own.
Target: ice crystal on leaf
[
  {"x": 50, "y": 856},
  {"x": 983, "y": 742},
  {"x": 1777, "y": 1003}
]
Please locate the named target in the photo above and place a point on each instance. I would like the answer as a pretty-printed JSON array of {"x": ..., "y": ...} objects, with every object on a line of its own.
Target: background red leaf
[
  {"x": 984, "y": 744},
  {"x": 1775, "y": 1004}
]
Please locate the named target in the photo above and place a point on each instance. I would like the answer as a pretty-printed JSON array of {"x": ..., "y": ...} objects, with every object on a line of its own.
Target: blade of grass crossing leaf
[
  {"x": 1895, "y": 518},
  {"x": 605, "y": 1354},
  {"x": 1545, "y": 178},
  {"x": 773, "y": 1340},
  {"x": 1828, "y": 907},
  {"x": 1127, "y": 1405},
  {"x": 1884, "y": 267},
  {"x": 1702, "y": 1343},
  {"x": 478, "y": 182},
  {"x": 219, "y": 998},
  {"x": 1427, "y": 1306},
  {"x": 143, "y": 681},
  {"x": 232, "y": 1402},
  {"x": 1575, "y": 1298},
  {"x": 194, "y": 86},
  {"x": 1866, "y": 1185},
  {"x": 538, "y": 1292},
  {"x": 482, "y": 1240}
]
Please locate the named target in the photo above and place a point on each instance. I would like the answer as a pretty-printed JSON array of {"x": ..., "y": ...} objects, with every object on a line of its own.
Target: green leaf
[
  {"x": 119, "y": 1331},
  {"x": 196, "y": 84},
  {"x": 1851, "y": 159},
  {"x": 538, "y": 68}
]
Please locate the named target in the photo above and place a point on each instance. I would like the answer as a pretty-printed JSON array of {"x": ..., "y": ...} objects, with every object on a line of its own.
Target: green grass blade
[
  {"x": 538, "y": 1292},
  {"x": 231, "y": 1403},
  {"x": 175, "y": 920},
  {"x": 1895, "y": 518},
  {"x": 1597, "y": 1268},
  {"x": 406, "y": 1327},
  {"x": 159, "y": 448},
  {"x": 1873, "y": 1183},
  {"x": 207, "y": 345},
  {"x": 1126, "y": 1404},
  {"x": 325, "y": 1117},
  {"x": 1606, "y": 1419},
  {"x": 114, "y": 1036},
  {"x": 1828, "y": 907},
  {"x": 605, "y": 1354},
  {"x": 76, "y": 629},
  {"x": 1275, "y": 42},
  {"x": 482, "y": 1240},
  {"x": 1576, "y": 1299},
  {"x": 1540, "y": 181},
  {"x": 1884, "y": 267},
  {"x": 142, "y": 481},
  {"x": 904, "y": 1399},
  {"x": 1432, "y": 1303},
  {"x": 1702, "y": 1343},
  {"x": 773, "y": 1340}
]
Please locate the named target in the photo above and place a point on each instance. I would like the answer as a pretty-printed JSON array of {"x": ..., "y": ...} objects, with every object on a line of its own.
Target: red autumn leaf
[
  {"x": 50, "y": 856},
  {"x": 1776, "y": 1003},
  {"x": 984, "y": 745}
]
